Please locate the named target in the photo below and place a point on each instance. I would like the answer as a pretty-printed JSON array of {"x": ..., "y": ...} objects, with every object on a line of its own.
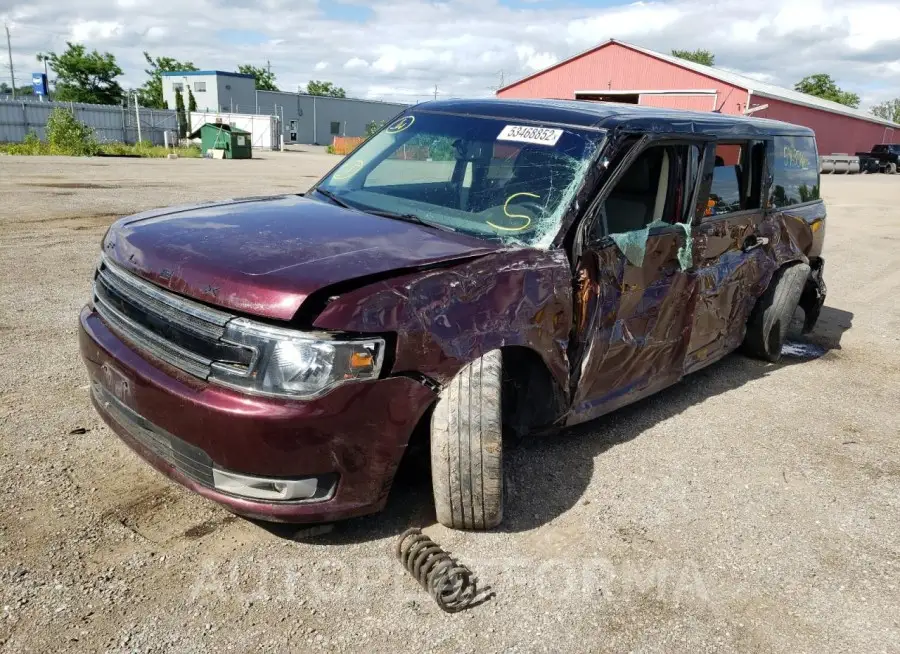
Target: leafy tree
[
  {"x": 83, "y": 76},
  {"x": 779, "y": 197},
  {"x": 179, "y": 112},
  {"x": 704, "y": 57},
  {"x": 192, "y": 101},
  {"x": 373, "y": 127},
  {"x": 807, "y": 194},
  {"x": 68, "y": 135},
  {"x": 151, "y": 93},
  {"x": 889, "y": 110},
  {"x": 20, "y": 90},
  {"x": 439, "y": 148},
  {"x": 265, "y": 79},
  {"x": 822, "y": 86},
  {"x": 315, "y": 87}
]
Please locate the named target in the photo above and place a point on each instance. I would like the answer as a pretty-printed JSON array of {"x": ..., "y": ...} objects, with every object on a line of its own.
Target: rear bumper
[
  {"x": 352, "y": 438},
  {"x": 813, "y": 297}
]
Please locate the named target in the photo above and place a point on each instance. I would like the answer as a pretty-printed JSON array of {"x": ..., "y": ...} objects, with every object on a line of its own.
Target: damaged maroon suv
[{"x": 475, "y": 269}]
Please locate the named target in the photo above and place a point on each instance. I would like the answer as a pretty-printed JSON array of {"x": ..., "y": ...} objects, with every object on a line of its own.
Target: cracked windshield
[{"x": 491, "y": 178}]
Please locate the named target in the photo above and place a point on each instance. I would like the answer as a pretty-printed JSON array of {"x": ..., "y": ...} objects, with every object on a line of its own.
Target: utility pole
[
  {"x": 435, "y": 91},
  {"x": 268, "y": 66},
  {"x": 502, "y": 79},
  {"x": 137, "y": 117},
  {"x": 12, "y": 71}
]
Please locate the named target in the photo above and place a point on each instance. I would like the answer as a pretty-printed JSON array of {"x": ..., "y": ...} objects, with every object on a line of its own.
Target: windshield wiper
[
  {"x": 334, "y": 198},
  {"x": 407, "y": 217}
]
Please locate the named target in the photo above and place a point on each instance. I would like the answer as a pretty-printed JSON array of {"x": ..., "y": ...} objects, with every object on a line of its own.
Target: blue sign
[{"x": 39, "y": 84}]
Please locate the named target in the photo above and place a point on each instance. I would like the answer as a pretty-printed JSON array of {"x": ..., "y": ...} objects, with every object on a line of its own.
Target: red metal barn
[{"x": 620, "y": 72}]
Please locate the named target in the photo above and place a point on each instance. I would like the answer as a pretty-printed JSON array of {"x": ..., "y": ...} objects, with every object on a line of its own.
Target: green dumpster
[{"x": 234, "y": 142}]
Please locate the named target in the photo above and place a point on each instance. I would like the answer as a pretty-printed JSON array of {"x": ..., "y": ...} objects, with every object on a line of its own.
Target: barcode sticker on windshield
[{"x": 525, "y": 134}]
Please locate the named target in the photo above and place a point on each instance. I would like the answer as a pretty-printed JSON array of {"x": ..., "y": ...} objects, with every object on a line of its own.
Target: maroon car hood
[{"x": 265, "y": 256}]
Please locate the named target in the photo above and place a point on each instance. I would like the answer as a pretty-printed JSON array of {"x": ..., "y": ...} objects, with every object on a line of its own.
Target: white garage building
[{"x": 303, "y": 118}]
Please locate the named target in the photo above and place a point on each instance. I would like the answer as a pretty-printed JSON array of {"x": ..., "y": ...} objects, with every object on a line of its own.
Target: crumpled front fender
[{"x": 448, "y": 317}]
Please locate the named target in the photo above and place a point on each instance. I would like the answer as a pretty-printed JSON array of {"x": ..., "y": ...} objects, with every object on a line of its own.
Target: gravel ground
[{"x": 753, "y": 507}]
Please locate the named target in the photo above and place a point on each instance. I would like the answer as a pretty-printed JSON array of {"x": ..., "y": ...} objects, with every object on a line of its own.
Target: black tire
[
  {"x": 467, "y": 447},
  {"x": 769, "y": 321}
]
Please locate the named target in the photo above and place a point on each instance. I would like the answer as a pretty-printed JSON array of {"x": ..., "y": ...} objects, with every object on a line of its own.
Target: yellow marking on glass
[
  {"x": 400, "y": 125},
  {"x": 515, "y": 215}
]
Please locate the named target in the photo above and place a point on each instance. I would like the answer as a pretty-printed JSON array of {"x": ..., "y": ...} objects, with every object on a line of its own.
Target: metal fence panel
[{"x": 110, "y": 123}]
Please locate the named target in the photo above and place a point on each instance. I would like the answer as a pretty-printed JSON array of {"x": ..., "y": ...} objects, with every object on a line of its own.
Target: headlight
[{"x": 289, "y": 363}]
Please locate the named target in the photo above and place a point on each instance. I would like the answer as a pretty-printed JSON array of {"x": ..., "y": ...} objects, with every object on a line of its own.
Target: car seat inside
[{"x": 639, "y": 196}]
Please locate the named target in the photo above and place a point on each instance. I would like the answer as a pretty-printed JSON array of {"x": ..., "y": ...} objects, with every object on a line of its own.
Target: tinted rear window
[
  {"x": 795, "y": 177},
  {"x": 725, "y": 190}
]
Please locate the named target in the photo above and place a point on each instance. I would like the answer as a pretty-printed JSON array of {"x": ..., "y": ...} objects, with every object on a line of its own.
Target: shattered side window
[
  {"x": 795, "y": 175},
  {"x": 650, "y": 194}
]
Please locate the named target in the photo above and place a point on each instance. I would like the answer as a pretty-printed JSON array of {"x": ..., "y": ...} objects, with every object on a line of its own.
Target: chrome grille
[{"x": 183, "y": 333}]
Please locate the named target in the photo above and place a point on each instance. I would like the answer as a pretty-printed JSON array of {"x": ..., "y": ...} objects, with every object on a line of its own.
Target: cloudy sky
[{"x": 399, "y": 49}]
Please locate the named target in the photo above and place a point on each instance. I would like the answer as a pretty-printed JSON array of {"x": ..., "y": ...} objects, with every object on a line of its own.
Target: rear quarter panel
[{"x": 799, "y": 232}]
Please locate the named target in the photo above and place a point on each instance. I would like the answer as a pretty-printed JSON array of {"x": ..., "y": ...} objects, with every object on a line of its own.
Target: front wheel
[{"x": 467, "y": 447}]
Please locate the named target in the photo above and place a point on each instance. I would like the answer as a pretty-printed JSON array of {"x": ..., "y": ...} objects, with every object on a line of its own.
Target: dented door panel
[
  {"x": 729, "y": 280},
  {"x": 633, "y": 324}
]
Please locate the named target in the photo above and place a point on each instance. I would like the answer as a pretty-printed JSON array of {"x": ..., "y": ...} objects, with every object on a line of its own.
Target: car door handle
[{"x": 753, "y": 242}]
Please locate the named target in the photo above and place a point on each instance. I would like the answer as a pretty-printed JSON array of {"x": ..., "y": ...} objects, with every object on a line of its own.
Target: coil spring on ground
[{"x": 451, "y": 584}]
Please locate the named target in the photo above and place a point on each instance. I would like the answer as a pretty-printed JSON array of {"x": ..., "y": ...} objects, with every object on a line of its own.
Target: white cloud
[
  {"x": 386, "y": 63},
  {"x": 867, "y": 24},
  {"x": 356, "y": 63},
  {"x": 94, "y": 30},
  {"x": 156, "y": 33},
  {"x": 640, "y": 18},
  {"x": 403, "y": 48},
  {"x": 532, "y": 60}
]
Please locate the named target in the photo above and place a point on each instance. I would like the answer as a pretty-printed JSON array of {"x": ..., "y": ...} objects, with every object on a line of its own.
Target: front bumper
[{"x": 351, "y": 439}]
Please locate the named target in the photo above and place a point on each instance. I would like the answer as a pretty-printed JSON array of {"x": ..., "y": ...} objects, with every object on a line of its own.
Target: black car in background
[{"x": 884, "y": 158}]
